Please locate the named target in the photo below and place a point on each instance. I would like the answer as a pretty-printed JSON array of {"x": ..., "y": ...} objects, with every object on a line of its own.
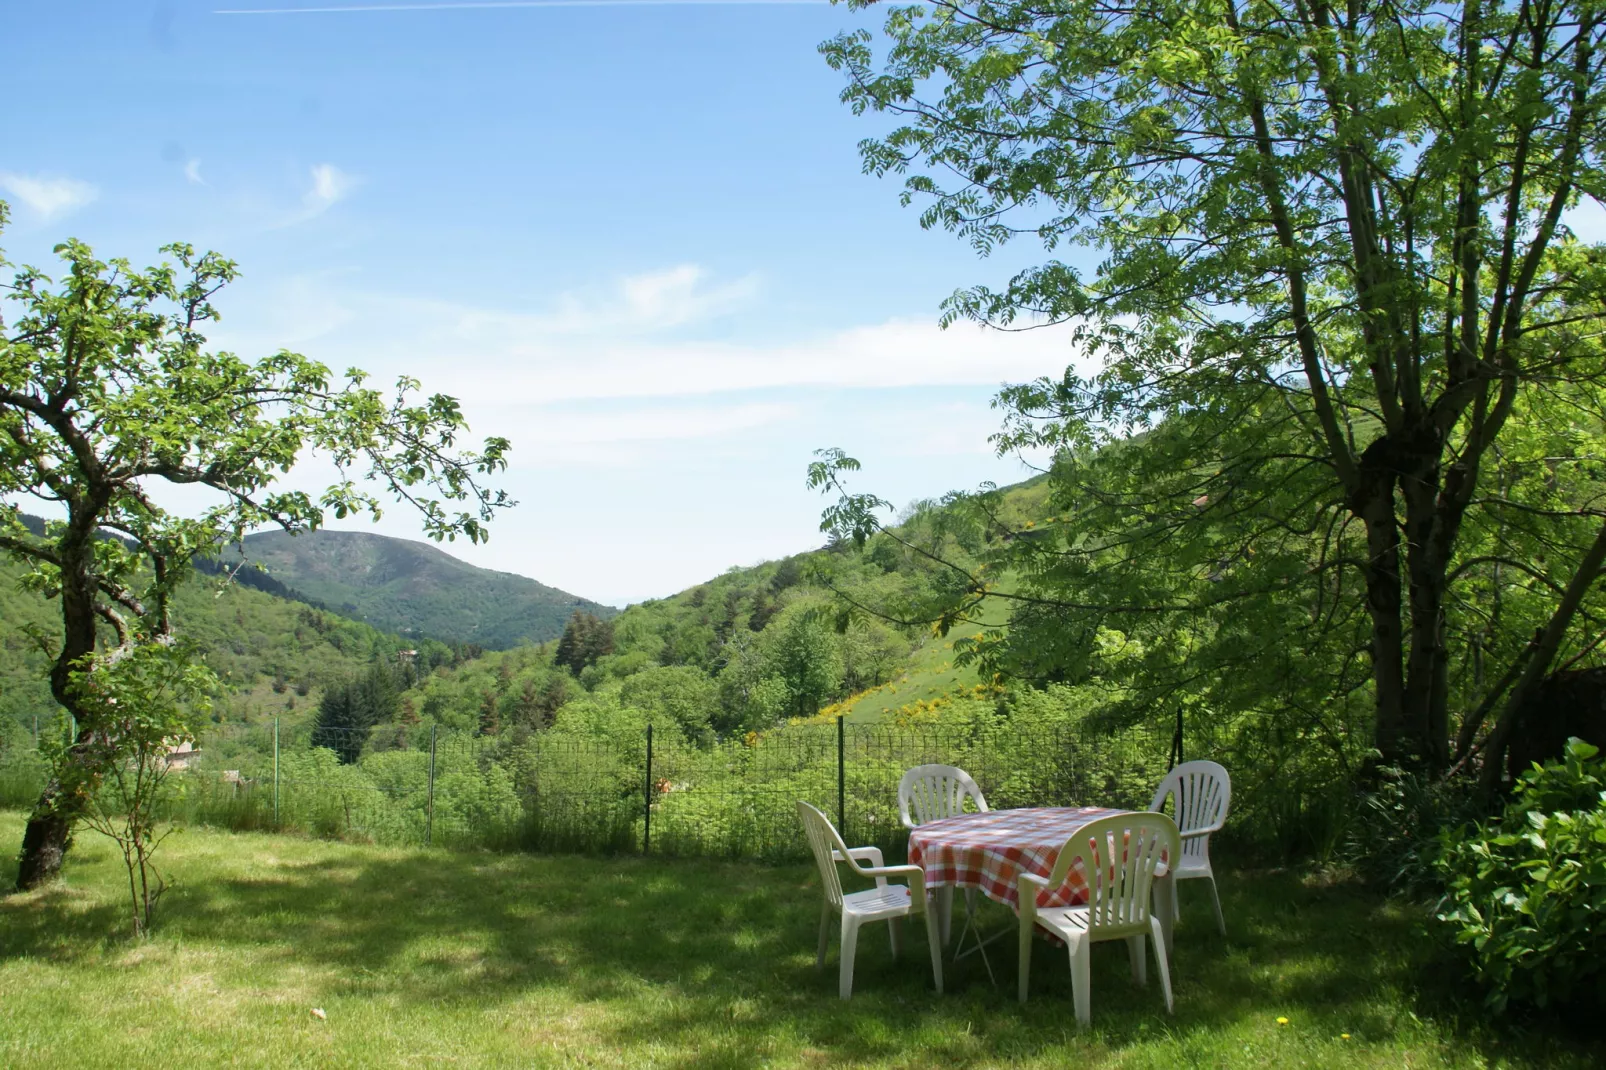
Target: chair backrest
[
  {"x": 932, "y": 792},
  {"x": 823, "y": 841},
  {"x": 1202, "y": 793},
  {"x": 1118, "y": 856}
]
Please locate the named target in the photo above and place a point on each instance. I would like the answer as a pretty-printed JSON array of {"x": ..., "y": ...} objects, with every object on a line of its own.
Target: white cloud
[
  {"x": 329, "y": 184},
  {"x": 47, "y": 197},
  {"x": 192, "y": 171},
  {"x": 557, "y": 426},
  {"x": 501, "y": 359},
  {"x": 590, "y": 348},
  {"x": 651, "y": 301}
]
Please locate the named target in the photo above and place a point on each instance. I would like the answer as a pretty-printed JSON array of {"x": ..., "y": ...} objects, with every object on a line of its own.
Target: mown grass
[{"x": 420, "y": 957}]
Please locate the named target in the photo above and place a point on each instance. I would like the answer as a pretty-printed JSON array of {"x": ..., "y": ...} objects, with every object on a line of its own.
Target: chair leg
[
  {"x": 1215, "y": 897},
  {"x": 1025, "y": 957},
  {"x": 894, "y": 925},
  {"x": 933, "y": 937},
  {"x": 825, "y": 936},
  {"x": 1165, "y": 907},
  {"x": 1163, "y": 961},
  {"x": 1137, "y": 956},
  {"x": 1082, "y": 979},
  {"x": 850, "y": 948}
]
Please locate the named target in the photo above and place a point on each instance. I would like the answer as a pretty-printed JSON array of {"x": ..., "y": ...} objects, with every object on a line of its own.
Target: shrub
[{"x": 1524, "y": 894}]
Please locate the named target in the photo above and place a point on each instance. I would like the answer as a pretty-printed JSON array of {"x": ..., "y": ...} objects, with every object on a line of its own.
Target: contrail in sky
[{"x": 467, "y": 5}]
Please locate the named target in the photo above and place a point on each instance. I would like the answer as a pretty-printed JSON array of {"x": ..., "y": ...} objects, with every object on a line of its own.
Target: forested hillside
[
  {"x": 843, "y": 629},
  {"x": 272, "y": 654},
  {"x": 415, "y": 589}
]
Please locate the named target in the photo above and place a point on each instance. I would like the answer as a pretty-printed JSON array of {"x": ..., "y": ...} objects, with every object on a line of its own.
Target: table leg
[
  {"x": 1165, "y": 907},
  {"x": 978, "y": 945}
]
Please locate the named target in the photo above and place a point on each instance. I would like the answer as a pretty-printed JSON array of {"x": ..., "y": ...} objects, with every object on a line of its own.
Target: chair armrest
[
  {"x": 1027, "y": 885},
  {"x": 1207, "y": 830},
  {"x": 871, "y": 855},
  {"x": 913, "y": 874}
]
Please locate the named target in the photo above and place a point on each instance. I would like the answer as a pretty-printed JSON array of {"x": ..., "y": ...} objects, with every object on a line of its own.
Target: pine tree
[
  {"x": 585, "y": 639},
  {"x": 490, "y": 718}
]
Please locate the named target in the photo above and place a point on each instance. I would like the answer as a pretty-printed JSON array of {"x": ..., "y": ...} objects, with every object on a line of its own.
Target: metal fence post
[
  {"x": 429, "y": 800},
  {"x": 1176, "y": 742},
  {"x": 841, "y": 778},
  {"x": 275, "y": 772},
  {"x": 646, "y": 799}
]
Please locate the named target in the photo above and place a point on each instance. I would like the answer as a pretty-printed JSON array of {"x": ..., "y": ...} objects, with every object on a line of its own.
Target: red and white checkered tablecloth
[{"x": 989, "y": 851}]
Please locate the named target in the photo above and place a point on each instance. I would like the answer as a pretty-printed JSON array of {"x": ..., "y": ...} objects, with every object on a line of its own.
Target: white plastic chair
[
  {"x": 1118, "y": 856},
  {"x": 885, "y": 902},
  {"x": 1202, "y": 792},
  {"x": 931, "y": 793}
]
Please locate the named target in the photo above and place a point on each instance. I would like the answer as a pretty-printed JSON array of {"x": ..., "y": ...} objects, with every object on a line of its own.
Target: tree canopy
[
  {"x": 108, "y": 393},
  {"x": 1340, "y": 383}
]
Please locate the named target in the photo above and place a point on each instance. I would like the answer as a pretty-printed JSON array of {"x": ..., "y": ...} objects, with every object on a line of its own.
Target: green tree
[
  {"x": 107, "y": 392},
  {"x": 802, "y": 653},
  {"x": 490, "y": 723},
  {"x": 1340, "y": 226},
  {"x": 348, "y": 712},
  {"x": 683, "y": 694},
  {"x": 585, "y": 639}
]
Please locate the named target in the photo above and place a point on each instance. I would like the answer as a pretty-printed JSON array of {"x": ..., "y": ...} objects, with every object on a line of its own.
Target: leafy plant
[
  {"x": 1525, "y": 893},
  {"x": 145, "y": 699}
]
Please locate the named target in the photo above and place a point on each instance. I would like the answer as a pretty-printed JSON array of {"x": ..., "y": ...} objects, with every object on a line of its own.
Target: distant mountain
[{"x": 414, "y": 588}]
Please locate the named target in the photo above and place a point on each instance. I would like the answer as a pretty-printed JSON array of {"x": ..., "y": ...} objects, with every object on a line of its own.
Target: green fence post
[
  {"x": 429, "y": 801},
  {"x": 646, "y": 799},
  {"x": 276, "y": 772},
  {"x": 841, "y": 779}
]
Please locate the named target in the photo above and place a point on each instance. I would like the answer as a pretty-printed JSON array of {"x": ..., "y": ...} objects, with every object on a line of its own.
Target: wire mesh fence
[
  {"x": 659, "y": 793},
  {"x": 666, "y": 794}
]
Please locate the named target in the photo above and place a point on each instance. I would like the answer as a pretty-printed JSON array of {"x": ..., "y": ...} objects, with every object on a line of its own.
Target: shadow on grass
[{"x": 715, "y": 960}]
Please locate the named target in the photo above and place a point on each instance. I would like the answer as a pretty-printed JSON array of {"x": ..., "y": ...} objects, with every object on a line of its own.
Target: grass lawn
[{"x": 420, "y": 957}]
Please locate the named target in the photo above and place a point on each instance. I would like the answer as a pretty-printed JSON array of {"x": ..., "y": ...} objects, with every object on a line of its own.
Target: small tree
[
  {"x": 146, "y": 699},
  {"x": 106, "y": 392}
]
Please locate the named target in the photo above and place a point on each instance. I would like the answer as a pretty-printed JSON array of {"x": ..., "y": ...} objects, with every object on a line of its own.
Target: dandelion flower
[
  {"x": 1282, "y": 1021},
  {"x": 1343, "y": 1036}
]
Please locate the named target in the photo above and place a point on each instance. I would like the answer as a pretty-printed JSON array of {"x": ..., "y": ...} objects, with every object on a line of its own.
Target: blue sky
[{"x": 634, "y": 239}]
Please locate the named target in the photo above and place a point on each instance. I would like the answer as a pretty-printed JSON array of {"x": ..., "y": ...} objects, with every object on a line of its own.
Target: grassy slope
[
  {"x": 249, "y": 638},
  {"x": 416, "y": 588},
  {"x": 420, "y": 957}
]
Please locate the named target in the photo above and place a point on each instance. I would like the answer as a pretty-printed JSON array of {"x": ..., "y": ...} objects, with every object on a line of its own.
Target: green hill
[
  {"x": 416, "y": 589},
  {"x": 757, "y": 646},
  {"x": 274, "y": 655}
]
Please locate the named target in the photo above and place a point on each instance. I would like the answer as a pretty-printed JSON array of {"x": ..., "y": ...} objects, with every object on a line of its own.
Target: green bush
[{"x": 1525, "y": 894}]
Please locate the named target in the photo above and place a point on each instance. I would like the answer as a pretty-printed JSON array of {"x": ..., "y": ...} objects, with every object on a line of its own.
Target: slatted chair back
[
  {"x": 825, "y": 842},
  {"x": 932, "y": 792},
  {"x": 1201, "y": 793},
  {"x": 1118, "y": 856}
]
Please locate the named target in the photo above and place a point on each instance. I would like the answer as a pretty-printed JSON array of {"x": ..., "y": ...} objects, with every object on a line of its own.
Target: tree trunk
[
  {"x": 1396, "y": 734},
  {"x": 1544, "y": 651},
  {"x": 48, "y": 835},
  {"x": 1428, "y": 530},
  {"x": 44, "y": 844}
]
